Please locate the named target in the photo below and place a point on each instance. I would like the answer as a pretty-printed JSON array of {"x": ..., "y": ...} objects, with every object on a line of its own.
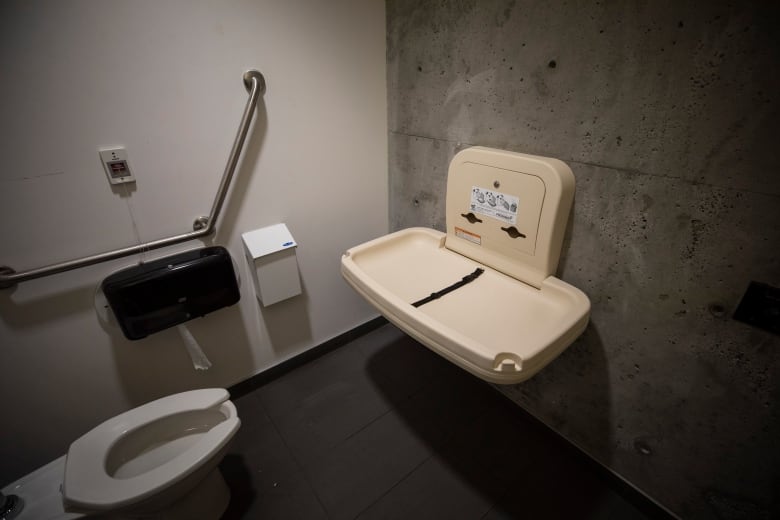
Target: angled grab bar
[{"x": 203, "y": 226}]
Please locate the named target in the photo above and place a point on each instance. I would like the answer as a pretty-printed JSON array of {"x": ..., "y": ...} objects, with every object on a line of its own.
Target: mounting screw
[
  {"x": 6, "y": 271},
  {"x": 254, "y": 74},
  {"x": 200, "y": 223},
  {"x": 496, "y": 184}
]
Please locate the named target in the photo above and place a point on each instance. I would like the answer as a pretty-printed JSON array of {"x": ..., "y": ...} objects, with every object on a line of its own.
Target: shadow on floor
[
  {"x": 485, "y": 450},
  {"x": 384, "y": 428}
]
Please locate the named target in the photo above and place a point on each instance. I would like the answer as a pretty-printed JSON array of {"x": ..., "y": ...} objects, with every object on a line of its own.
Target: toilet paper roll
[{"x": 199, "y": 359}]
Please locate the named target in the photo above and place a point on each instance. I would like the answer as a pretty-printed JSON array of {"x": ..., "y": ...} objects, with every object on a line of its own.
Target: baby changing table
[{"x": 483, "y": 294}]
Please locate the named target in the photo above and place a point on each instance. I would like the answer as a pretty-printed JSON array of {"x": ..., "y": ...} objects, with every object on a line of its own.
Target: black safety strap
[{"x": 457, "y": 285}]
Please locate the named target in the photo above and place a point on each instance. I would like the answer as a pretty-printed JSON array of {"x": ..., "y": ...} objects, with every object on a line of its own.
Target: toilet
[{"x": 155, "y": 461}]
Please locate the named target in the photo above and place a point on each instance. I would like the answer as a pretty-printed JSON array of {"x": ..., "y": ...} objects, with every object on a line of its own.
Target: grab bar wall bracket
[{"x": 203, "y": 226}]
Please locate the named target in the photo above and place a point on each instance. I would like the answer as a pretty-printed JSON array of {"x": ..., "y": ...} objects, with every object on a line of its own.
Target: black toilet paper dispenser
[{"x": 156, "y": 295}]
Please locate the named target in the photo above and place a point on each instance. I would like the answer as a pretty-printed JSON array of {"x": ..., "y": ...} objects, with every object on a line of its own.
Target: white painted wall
[{"x": 163, "y": 79}]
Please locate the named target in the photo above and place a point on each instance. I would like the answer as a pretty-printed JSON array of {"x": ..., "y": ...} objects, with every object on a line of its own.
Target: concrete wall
[
  {"x": 668, "y": 113},
  {"x": 163, "y": 79}
]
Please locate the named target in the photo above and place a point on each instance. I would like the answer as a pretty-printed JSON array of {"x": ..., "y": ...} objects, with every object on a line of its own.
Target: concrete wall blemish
[{"x": 668, "y": 113}]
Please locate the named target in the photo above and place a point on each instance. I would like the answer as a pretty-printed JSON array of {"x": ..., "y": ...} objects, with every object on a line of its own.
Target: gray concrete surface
[{"x": 669, "y": 115}]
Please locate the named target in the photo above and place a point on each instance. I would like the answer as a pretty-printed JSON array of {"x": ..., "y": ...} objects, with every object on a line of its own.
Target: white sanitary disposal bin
[{"x": 270, "y": 252}]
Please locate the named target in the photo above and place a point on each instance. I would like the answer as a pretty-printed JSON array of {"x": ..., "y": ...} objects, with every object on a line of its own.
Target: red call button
[{"x": 118, "y": 168}]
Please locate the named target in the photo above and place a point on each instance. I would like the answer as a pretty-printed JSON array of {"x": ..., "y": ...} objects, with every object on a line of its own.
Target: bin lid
[{"x": 267, "y": 240}]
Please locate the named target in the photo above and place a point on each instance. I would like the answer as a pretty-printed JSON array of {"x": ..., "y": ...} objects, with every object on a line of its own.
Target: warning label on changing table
[{"x": 490, "y": 203}]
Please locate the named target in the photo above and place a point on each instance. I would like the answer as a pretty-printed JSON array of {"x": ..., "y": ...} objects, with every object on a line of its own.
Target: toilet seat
[{"x": 87, "y": 483}]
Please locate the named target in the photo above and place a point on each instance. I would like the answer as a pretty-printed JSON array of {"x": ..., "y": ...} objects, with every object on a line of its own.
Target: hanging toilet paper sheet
[{"x": 199, "y": 359}]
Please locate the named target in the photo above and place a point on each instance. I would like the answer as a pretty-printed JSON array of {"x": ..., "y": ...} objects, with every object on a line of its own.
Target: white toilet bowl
[
  {"x": 160, "y": 456},
  {"x": 158, "y": 461}
]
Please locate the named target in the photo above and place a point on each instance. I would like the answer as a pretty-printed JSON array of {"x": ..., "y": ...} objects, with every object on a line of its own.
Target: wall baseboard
[{"x": 628, "y": 491}]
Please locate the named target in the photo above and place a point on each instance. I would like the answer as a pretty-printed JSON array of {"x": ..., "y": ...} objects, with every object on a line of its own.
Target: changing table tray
[{"x": 496, "y": 327}]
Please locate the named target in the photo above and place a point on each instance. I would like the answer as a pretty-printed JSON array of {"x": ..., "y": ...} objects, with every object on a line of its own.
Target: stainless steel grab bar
[{"x": 203, "y": 226}]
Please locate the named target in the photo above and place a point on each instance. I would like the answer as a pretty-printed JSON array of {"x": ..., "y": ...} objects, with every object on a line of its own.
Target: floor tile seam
[
  {"x": 494, "y": 505},
  {"x": 432, "y": 382},
  {"x": 448, "y": 440},
  {"x": 364, "y": 427},
  {"x": 491, "y": 506},
  {"x": 300, "y": 467},
  {"x": 487, "y": 513},
  {"x": 314, "y": 364},
  {"x": 398, "y": 483},
  {"x": 256, "y": 406},
  {"x": 298, "y": 402},
  {"x": 391, "y": 408},
  {"x": 448, "y": 435},
  {"x": 507, "y": 488},
  {"x": 305, "y": 467},
  {"x": 313, "y": 489},
  {"x": 427, "y": 383},
  {"x": 409, "y": 399},
  {"x": 481, "y": 413}
]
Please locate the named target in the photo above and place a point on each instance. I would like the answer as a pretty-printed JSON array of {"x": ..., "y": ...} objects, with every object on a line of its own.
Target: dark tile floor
[{"x": 384, "y": 428}]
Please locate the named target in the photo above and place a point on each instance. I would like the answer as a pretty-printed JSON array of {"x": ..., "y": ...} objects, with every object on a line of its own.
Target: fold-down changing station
[{"x": 488, "y": 300}]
